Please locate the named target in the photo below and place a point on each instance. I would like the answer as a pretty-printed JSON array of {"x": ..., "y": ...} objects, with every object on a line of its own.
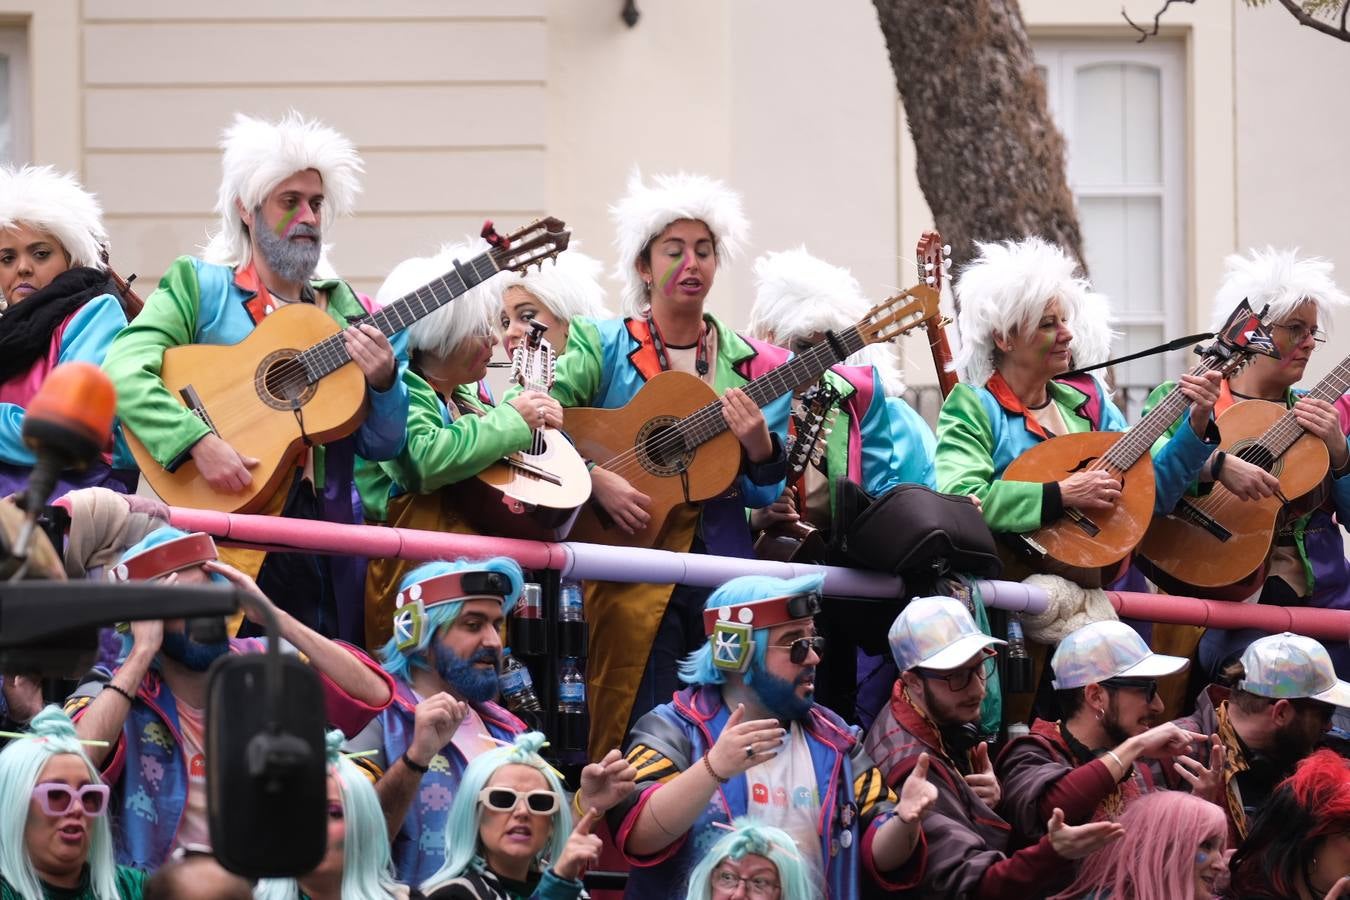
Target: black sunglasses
[
  {"x": 1148, "y": 685},
  {"x": 959, "y": 679},
  {"x": 799, "y": 649}
]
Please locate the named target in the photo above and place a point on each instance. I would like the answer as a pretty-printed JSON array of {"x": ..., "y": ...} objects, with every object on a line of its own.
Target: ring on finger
[{"x": 749, "y": 750}]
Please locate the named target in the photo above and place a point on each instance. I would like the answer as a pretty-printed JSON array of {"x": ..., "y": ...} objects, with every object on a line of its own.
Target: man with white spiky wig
[
  {"x": 673, "y": 234},
  {"x": 59, "y": 307},
  {"x": 1307, "y": 565},
  {"x": 1019, "y": 300},
  {"x": 283, "y": 182},
  {"x": 454, "y": 430},
  {"x": 552, "y": 296}
]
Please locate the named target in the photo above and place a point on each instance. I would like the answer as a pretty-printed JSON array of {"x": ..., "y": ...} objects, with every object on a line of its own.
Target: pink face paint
[
  {"x": 286, "y": 220},
  {"x": 672, "y": 276}
]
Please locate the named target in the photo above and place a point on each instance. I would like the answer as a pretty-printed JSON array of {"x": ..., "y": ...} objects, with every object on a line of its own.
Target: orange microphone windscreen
[{"x": 79, "y": 396}]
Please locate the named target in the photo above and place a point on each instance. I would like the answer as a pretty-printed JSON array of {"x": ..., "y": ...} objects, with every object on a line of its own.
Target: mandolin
[
  {"x": 1099, "y": 539},
  {"x": 1216, "y": 546},
  {"x": 534, "y": 493},
  {"x": 671, "y": 442},
  {"x": 291, "y": 382},
  {"x": 934, "y": 258},
  {"x": 812, "y": 419}
]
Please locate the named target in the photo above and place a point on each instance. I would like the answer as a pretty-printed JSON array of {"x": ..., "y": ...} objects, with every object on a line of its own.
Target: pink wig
[{"x": 1155, "y": 859}]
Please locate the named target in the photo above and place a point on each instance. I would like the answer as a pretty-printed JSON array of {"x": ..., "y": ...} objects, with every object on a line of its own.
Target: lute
[
  {"x": 812, "y": 419},
  {"x": 934, "y": 258}
]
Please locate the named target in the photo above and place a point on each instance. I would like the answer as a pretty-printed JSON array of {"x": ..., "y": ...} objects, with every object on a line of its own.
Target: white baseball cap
[
  {"x": 936, "y": 633},
  {"x": 1290, "y": 667},
  {"x": 1109, "y": 649}
]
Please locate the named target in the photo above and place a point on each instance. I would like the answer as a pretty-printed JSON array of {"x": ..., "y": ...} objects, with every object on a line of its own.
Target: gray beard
[{"x": 291, "y": 260}]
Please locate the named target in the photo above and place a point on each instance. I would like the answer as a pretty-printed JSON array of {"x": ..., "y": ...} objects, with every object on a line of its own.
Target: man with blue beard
[
  {"x": 150, "y": 712},
  {"x": 747, "y": 739},
  {"x": 444, "y": 658}
]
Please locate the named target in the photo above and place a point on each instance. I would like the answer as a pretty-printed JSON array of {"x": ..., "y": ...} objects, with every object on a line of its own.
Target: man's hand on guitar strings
[
  {"x": 1090, "y": 489},
  {"x": 746, "y": 421},
  {"x": 370, "y": 350},
  {"x": 1246, "y": 481},
  {"x": 223, "y": 467},
  {"x": 626, "y": 505}
]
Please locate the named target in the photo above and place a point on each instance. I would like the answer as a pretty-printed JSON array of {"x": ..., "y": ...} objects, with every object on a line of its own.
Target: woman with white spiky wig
[
  {"x": 674, "y": 233},
  {"x": 798, "y": 299},
  {"x": 1307, "y": 565},
  {"x": 60, "y": 307},
  {"x": 283, "y": 184},
  {"x": 454, "y": 429},
  {"x": 1019, "y": 301},
  {"x": 552, "y": 296}
]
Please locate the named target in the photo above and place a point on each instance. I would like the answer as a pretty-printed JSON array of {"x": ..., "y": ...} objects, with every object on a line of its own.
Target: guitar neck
[
  {"x": 707, "y": 423},
  {"x": 330, "y": 354},
  {"x": 942, "y": 356},
  {"x": 1281, "y": 436},
  {"x": 1136, "y": 442}
]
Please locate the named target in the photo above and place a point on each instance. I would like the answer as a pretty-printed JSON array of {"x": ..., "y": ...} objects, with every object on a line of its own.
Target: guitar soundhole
[
  {"x": 1253, "y": 452},
  {"x": 281, "y": 382},
  {"x": 660, "y": 449}
]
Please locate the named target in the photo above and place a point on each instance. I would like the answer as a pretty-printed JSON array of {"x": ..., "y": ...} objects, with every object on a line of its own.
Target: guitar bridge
[
  {"x": 1088, "y": 526},
  {"x": 530, "y": 471},
  {"x": 193, "y": 401},
  {"x": 1189, "y": 512}
]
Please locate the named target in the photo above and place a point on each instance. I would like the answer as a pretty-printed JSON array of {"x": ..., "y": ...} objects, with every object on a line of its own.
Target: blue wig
[
  {"x": 396, "y": 661},
  {"x": 367, "y": 868},
  {"x": 697, "y": 668},
  {"x": 21, "y": 765},
  {"x": 462, "y": 824},
  {"x": 746, "y": 838},
  {"x": 159, "y": 536}
]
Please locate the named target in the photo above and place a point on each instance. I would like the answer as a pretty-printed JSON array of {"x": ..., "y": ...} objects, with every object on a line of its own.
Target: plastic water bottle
[
  {"x": 517, "y": 686},
  {"x": 1017, "y": 678},
  {"x": 528, "y": 631},
  {"x": 571, "y": 706},
  {"x": 572, "y": 631}
]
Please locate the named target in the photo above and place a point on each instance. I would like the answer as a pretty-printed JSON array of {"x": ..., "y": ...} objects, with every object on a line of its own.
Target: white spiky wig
[
  {"x": 1006, "y": 288},
  {"x": 41, "y": 197},
  {"x": 446, "y": 328},
  {"x": 259, "y": 155},
  {"x": 1093, "y": 334},
  {"x": 798, "y": 295},
  {"x": 1279, "y": 278},
  {"x": 569, "y": 286},
  {"x": 646, "y": 210}
]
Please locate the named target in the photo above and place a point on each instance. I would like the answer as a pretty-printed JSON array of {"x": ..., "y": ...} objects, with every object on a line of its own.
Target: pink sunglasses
[{"x": 59, "y": 799}]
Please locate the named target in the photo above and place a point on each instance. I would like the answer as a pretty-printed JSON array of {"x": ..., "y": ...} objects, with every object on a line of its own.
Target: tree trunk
[{"x": 990, "y": 159}]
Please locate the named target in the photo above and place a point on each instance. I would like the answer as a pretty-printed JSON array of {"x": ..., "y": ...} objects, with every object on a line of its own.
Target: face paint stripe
[
  {"x": 286, "y": 220},
  {"x": 672, "y": 275}
]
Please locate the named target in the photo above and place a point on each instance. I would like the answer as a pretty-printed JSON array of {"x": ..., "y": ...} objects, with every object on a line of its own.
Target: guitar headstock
[
  {"x": 898, "y": 314},
  {"x": 813, "y": 417},
  {"x": 1243, "y": 336},
  {"x": 527, "y": 246},
  {"x": 934, "y": 259},
  {"x": 533, "y": 359}
]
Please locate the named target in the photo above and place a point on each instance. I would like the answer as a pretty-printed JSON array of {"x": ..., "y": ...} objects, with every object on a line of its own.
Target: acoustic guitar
[
  {"x": 671, "y": 442},
  {"x": 812, "y": 419},
  {"x": 1095, "y": 540},
  {"x": 534, "y": 493},
  {"x": 1216, "y": 546},
  {"x": 291, "y": 381}
]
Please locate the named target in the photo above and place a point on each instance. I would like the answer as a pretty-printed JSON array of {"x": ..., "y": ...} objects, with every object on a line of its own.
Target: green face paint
[
  {"x": 668, "y": 279},
  {"x": 286, "y": 220}
]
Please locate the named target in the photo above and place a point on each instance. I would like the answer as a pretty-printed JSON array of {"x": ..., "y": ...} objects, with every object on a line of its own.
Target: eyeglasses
[
  {"x": 759, "y": 886},
  {"x": 1298, "y": 332},
  {"x": 1148, "y": 685},
  {"x": 959, "y": 679},
  {"x": 504, "y": 799},
  {"x": 59, "y": 799},
  {"x": 1322, "y": 711},
  {"x": 801, "y": 648}
]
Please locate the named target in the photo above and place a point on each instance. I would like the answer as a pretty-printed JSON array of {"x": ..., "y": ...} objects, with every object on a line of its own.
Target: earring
[{"x": 1099, "y": 715}]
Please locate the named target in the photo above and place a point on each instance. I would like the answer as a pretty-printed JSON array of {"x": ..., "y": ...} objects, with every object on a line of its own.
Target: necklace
[
  {"x": 1279, "y": 399},
  {"x": 700, "y": 359}
]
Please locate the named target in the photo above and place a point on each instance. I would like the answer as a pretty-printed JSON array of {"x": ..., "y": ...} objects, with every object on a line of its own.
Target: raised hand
[
  {"x": 743, "y": 745},
  {"x": 1205, "y": 782},
  {"x": 917, "y": 794},
  {"x": 981, "y": 778},
  {"x": 606, "y": 783},
  {"x": 434, "y": 722},
  {"x": 582, "y": 849},
  {"x": 246, "y": 584},
  {"x": 1077, "y": 841}
]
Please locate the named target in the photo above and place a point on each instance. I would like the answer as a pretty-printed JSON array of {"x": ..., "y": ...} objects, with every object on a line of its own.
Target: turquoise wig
[
  {"x": 159, "y": 536},
  {"x": 697, "y": 668},
  {"x": 367, "y": 868},
  {"x": 746, "y": 838},
  {"x": 396, "y": 661},
  {"x": 461, "y": 827},
  {"x": 21, "y": 765}
]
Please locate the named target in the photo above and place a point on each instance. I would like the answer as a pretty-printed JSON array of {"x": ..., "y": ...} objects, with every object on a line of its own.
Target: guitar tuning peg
[
  {"x": 930, "y": 281},
  {"x": 946, "y": 249},
  {"x": 928, "y": 267}
]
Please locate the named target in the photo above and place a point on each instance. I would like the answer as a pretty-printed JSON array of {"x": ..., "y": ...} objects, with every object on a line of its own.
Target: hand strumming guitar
[
  {"x": 223, "y": 467},
  {"x": 538, "y": 409},
  {"x": 1090, "y": 489},
  {"x": 625, "y": 504}
]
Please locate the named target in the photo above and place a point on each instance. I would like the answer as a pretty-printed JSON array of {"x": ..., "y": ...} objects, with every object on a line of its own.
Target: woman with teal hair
[
  {"x": 54, "y": 837},
  {"x": 510, "y": 834},
  {"x": 762, "y": 858},
  {"x": 357, "y": 865}
]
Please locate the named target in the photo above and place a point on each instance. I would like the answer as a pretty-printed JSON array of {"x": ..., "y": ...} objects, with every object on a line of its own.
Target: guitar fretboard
[
  {"x": 1281, "y": 435},
  {"x": 330, "y": 354},
  {"x": 1136, "y": 442},
  {"x": 707, "y": 423}
]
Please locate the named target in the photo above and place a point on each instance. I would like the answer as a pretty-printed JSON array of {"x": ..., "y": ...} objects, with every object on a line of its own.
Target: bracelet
[
  {"x": 1217, "y": 466},
  {"x": 114, "y": 688},
  {"x": 711, "y": 771},
  {"x": 419, "y": 769},
  {"x": 576, "y": 805},
  {"x": 1120, "y": 762}
]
